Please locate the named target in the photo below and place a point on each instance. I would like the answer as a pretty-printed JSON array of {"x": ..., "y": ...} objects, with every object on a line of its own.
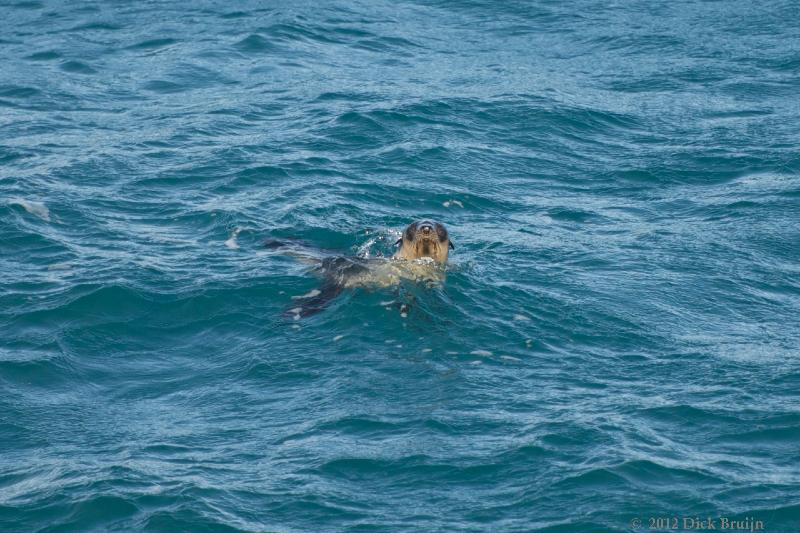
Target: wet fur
[{"x": 422, "y": 241}]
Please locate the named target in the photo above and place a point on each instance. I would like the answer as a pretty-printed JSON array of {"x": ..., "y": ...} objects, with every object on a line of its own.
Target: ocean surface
[{"x": 618, "y": 337}]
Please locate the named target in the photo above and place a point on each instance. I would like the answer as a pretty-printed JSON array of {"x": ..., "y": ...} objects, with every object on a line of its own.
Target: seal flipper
[{"x": 313, "y": 305}]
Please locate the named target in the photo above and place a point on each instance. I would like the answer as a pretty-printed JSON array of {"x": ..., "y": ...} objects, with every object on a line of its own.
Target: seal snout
[{"x": 426, "y": 229}]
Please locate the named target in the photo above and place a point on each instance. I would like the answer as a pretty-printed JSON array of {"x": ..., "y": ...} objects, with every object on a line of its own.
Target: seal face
[{"x": 424, "y": 238}]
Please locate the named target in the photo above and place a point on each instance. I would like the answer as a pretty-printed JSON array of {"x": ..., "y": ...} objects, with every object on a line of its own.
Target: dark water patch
[
  {"x": 789, "y": 63},
  {"x": 702, "y": 76},
  {"x": 152, "y": 44},
  {"x": 756, "y": 91},
  {"x": 351, "y": 32},
  {"x": 235, "y": 15},
  {"x": 256, "y": 44},
  {"x": 90, "y": 305},
  {"x": 182, "y": 518},
  {"x": 651, "y": 475},
  {"x": 368, "y": 470},
  {"x": 11, "y": 91},
  {"x": 99, "y": 511},
  {"x": 96, "y": 26},
  {"x": 27, "y": 5},
  {"x": 8, "y": 155},
  {"x": 44, "y": 56},
  {"x": 636, "y": 44},
  {"x": 39, "y": 370},
  {"x": 692, "y": 419},
  {"x": 77, "y": 67},
  {"x": 164, "y": 87},
  {"x": 764, "y": 437},
  {"x": 737, "y": 114},
  {"x": 651, "y": 84},
  {"x": 574, "y": 215},
  {"x": 258, "y": 176},
  {"x": 598, "y": 477},
  {"x": 396, "y": 45},
  {"x": 347, "y": 97},
  {"x": 187, "y": 77},
  {"x": 289, "y": 32}
]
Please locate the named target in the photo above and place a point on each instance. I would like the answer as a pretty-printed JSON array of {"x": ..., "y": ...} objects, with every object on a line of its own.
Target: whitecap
[
  {"x": 231, "y": 242},
  {"x": 34, "y": 208},
  {"x": 481, "y": 353}
]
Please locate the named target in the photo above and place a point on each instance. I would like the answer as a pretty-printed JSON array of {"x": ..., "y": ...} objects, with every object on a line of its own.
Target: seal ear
[
  {"x": 452, "y": 247},
  {"x": 399, "y": 241}
]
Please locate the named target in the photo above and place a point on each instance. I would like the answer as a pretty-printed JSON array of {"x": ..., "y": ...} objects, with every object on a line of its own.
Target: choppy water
[{"x": 618, "y": 336}]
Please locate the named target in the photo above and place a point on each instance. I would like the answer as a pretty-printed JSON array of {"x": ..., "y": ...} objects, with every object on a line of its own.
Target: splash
[{"x": 231, "y": 242}]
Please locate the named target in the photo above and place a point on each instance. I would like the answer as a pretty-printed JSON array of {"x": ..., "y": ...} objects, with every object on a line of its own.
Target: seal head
[{"x": 424, "y": 238}]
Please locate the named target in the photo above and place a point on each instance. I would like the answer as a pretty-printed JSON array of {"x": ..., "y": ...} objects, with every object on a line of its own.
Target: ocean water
[{"x": 617, "y": 340}]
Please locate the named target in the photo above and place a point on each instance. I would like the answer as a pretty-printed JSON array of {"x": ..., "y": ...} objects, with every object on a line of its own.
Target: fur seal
[{"x": 422, "y": 254}]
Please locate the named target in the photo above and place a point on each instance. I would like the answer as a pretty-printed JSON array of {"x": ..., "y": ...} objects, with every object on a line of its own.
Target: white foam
[
  {"x": 363, "y": 250},
  {"x": 338, "y": 338},
  {"x": 509, "y": 358},
  {"x": 521, "y": 318},
  {"x": 60, "y": 266},
  {"x": 231, "y": 242},
  {"x": 34, "y": 208},
  {"x": 481, "y": 353},
  {"x": 426, "y": 350},
  {"x": 453, "y": 202},
  {"x": 309, "y": 294}
]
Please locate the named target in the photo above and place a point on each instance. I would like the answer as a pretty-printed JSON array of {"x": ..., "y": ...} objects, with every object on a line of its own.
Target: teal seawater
[{"x": 618, "y": 337}]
